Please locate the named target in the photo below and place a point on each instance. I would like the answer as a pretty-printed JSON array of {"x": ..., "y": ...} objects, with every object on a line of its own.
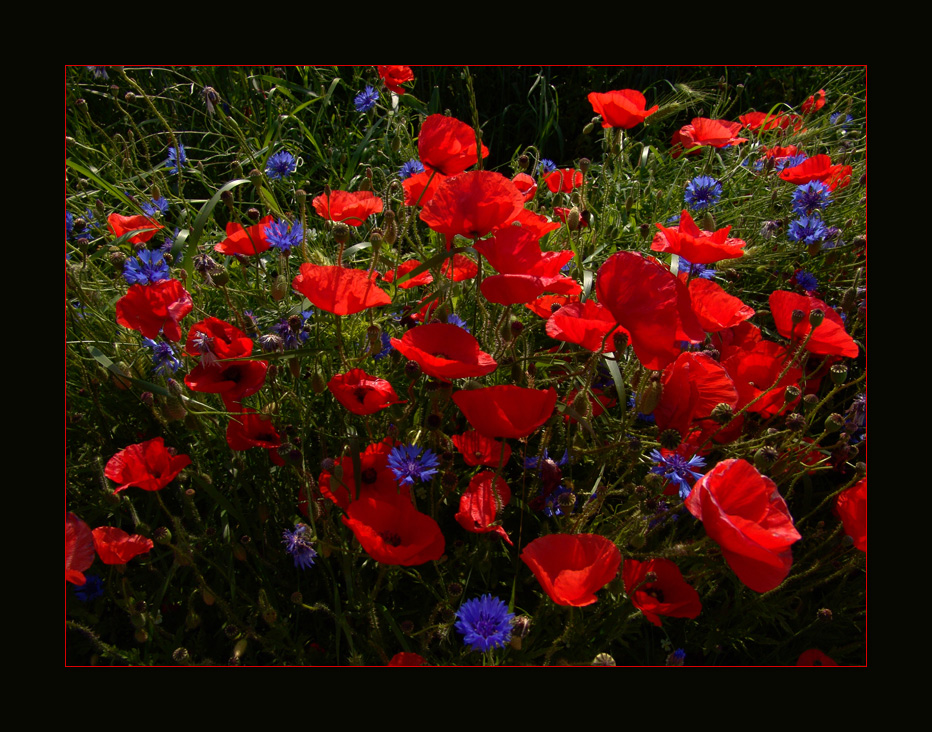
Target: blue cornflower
[
  {"x": 807, "y": 229},
  {"x": 164, "y": 360},
  {"x": 412, "y": 167},
  {"x": 702, "y": 271},
  {"x": 176, "y": 159},
  {"x": 92, "y": 588},
  {"x": 298, "y": 545},
  {"x": 676, "y": 658},
  {"x": 531, "y": 462},
  {"x": 282, "y": 236},
  {"x": 156, "y": 207},
  {"x": 408, "y": 464},
  {"x": 677, "y": 470},
  {"x": 99, "y": 72},
  {"x": 546, "y": 166},
  {"x": 806, "y": 280},
  {"x": 702, "y": 191},
  {"x": 366, "y": 99},
  {"x": 835, "y": 117},
  {"x": 811, "y": 197},
  {"x": 457, "y": 320},
  {"x": 791, "y": 162},
  {"x": 146, "y": 268},
  {"x": 292, "y": 330},
  {"x": 484, "y": 622},
  {"x": 69, "y": 224},
  {"x": 281, "y": 165}
]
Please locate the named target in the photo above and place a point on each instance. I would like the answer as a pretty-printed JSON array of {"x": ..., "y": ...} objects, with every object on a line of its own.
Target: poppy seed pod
[
  {"x": 797, "y": 317},
  {"x": 791, "y": 393},
  {"x": 839, "y": 372},
  {"x": 834, "y": 422},
  {"x": 815, "y": 317},
  {"x": 670, "y": 439},
  {"x": 722, "y": 413}
]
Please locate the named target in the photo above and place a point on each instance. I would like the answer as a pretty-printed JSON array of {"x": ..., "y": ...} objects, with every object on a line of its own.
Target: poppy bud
[
  {"x": 708, "y": 221},
  {"x": 584, "y": 164},
  {"x": 523, "y": 162},
  {"x": 834, "y": 422},
  {"x": 318, "y": 383},
  {"x": 587, "y": 130},
  {"x": 141, "y": 636},
  {"x": 765, "y": 458},
  {"x": 650, "y": 396},
  {"x": 572, "y": 219},
  {"x": 391, "y": 231},
  {"x": 824, "y": 614},
  {"x": 279, "y": 288},
  {"x": 815, "y": 318},
  {"x": 294, "y": 366},
  {"x": 670, "y": 439},
  {"x": 722, "y": 413},
  {"x": 795, "y": 422},
  {"x": 603, "y": 659},
  {"x": 839, "y": 373},
  {"x": 253, "y": 213},
  {"x": 644, "y": 230}
]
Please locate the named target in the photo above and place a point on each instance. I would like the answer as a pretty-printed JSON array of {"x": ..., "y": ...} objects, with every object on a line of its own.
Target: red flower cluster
[
  {"x": 153, "y": 308},
  {"x": 362, "y": 394},
  {"x": 571, "y": 568},
  {"x": 667, "y": 593},
  {"x": 486, "y": 495},
  {"x": 394, "y": 76},
  {"x": 247, "y": 242},
  {"x": 375, "y": 478},
  {"x": 350, "y": 208},
  {"x": 747, "y": 517},
  {"x": 565, "y": 180},
  {"x": 392, "y": 531},
  {"x": 339, "y": 290},
  {"x": 622, "y": 108},
  {"x": 224, "y": 368},
  {"x": 445, "y": 351},
  {"x": 146, "y": 227},
  {"x": 147, "y": 465}
]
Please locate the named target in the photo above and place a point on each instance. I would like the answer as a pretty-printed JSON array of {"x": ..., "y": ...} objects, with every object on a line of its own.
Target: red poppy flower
[
  {"x": 115, "y": 546},
  {"x": 517, "y": 289},
  {"x": 828, "y": 339},
  {"x": 375, "y": 478},
  {"x": 624, "y": 108},
  {"x": 564, "y": 180},
  {"x": 547, "y": 305},
  {"x": 249, "y": 429},
  {"x": 668, "y": 594},
  {"x": 459, "y": 267},
  {"x": 472, "y": 204},
  {"x": 755, "y": 371},
  {"x": 147, "y": 465},
  {"x": 445, "y": 351},
  {"x": 79, "y": 549},
  {"x": 698, "y": 246},
  {"x": 362, "y": 394},
  {"x": 448, "y": 145},
  {"x": 247, "y": 242},
  {"x": 586, "y": 324},
  {"x": 745, "y": 514},
  {"x": 815, "y": 102},
  {"x": 486, "y": 495},
  {"x": 213, "y": 339},
  {"x": 406, "y": 659},
  {"x": 535, "y": 223},
  {"x": 526, "y": 185},
  {"x": 851, "y": 506},
  {"x": 153, "y": 308},
  {"x": 818, "y": 168},
  {"x": 506, "y": 411},
  {"x": 120, "y": 225},
  {"x": 477, "y": 449},
  {"x": 702, "y": 131},
  {"x": 715, "y": 308},
  {"x": 766, "y": 121},
  {"x": 232, "y": 380},
  {"x": 737, "y": 339},
  {"x": 392, "y": 531},
  {"x": 514, "y": 250},
  {"x": 395, "y": 76},
  {"x": 815, "y": 657},
  {"x": 651, "y": 304},
  {"x": 339, "y": 290},
  {"x": 350, "y": 208},
  {"x": 572, "y": 567},
  {"x": 421, "y": 187},
  {"x": 692, "y": 387},
  {"x": 424, "y": 278}
]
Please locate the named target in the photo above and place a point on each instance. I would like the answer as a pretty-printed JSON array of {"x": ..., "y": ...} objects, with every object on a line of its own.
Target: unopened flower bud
[
  {"x": 129, "y": 97},
  {"x": 572, "y": 219},
  {"x": 708, "y": 221},
  {"x": 650, "y": 396},
  {"x": 523, "y": 162},
  {"x": 584, "y": 164},
  {"x": 824, "y": 614}
]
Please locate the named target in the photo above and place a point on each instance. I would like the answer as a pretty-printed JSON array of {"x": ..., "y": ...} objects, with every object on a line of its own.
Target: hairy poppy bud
[
  {"x": 650, "y": 396},
  {"x": 523, "y": 162}
]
